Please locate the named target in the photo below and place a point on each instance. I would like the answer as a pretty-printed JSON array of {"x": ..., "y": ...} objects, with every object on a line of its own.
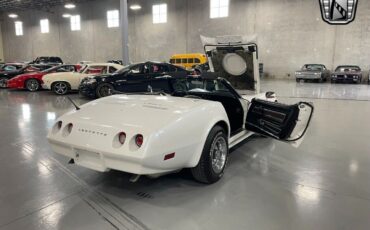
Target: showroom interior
[{"x": 264, "y": 124}]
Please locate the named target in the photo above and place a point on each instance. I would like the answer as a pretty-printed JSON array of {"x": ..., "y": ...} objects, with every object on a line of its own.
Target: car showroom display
[
  {"x": 315, "y": 72},
  {"x": 132, "y": 78},
  {"x": 347, "y": 73},
  {"x": 193, "y": 127},
  {"x": 63, "y": 83},
  {"x": 180, "y": 132},
  {"x": 33, "y": 81},
  {"x": 7, "y": 75}
]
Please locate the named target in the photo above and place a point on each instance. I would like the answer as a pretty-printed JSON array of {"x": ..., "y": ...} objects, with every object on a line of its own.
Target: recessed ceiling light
[
  {"x": 135, "y": 7},
  {"x": 66, "y": 15},
  {"x": 70, "y": 6},
  {"x": 13, "y": 16}
]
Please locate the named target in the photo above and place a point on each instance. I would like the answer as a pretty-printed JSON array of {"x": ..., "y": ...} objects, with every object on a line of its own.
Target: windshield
[
  {"x": 313, "y": 67},
  {"x": 348, "y": 69},
  {"x": 125, "y": 69},
  {"x": 51, "y": 69}
]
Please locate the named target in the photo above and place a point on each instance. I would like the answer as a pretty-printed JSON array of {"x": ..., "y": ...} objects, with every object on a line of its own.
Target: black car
[
  {"x": 347, "y": 73},
  {"x": 134, "y": 78},
  {"x": 47, "y": 61},
  {"x": 5, "y": 76}
]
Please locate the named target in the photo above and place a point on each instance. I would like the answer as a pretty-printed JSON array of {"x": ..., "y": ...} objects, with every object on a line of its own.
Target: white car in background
[{"x": 63, "y": 83}]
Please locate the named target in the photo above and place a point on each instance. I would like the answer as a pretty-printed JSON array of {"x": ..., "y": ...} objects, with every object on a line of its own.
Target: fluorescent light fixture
[
  {"x": 66, "y": 15},
  {"x": 135, "y": 7},
  {"x": 13, "y": 16},
  {"x": 70, "y": 6}
]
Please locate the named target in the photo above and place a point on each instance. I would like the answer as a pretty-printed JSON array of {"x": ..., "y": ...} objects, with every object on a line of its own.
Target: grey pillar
[{"x": 124, "y": 26}]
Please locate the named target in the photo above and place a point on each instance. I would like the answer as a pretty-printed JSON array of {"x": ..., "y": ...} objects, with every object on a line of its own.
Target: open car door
[{"x": 287, "y": 123}]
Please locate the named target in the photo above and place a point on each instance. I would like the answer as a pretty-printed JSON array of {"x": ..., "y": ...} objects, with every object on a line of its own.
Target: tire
[
  {"x": 3, "y": 82},
  {"x": 104, "y": 90},
  {"x": 32, "y": 85},
  {"x": 61, "y": 88},
  {"x": 298, "y": 80},
  {"x": 211, "y": 165}
]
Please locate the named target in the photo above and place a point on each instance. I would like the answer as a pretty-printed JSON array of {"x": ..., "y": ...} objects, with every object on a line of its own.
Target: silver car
[{"x": 315, "y": 72}]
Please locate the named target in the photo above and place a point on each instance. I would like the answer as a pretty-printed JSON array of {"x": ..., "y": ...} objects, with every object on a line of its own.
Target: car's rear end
[{"x": 138, "y": 134}]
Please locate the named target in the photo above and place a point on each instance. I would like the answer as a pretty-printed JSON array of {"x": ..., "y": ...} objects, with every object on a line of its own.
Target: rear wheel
[
  {"x": 104, "y": 90},
  {"x": 60, "y": 88},
  {"x": 32, "y": 85},
  {"x": 297, "y": 80},
  {"x": 3, "y": 82},
  {"x": 214, "y": 157}
]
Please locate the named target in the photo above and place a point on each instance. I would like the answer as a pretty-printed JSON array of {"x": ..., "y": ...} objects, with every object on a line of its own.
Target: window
[
  {"x": 160, "y": 13},
  {"x": 178, "y": 61},
  {"x": 172, "y": 61},
  {"x": 18, "y": 28},
  {"x": 75, "y": 22},
  {"x": 219, "y": 8},
  {"x": 96, "y": 70},
  {"x": 191, "y": 60},
  {"x": 197, "y": 60},
  {"x": 112, "y": 69},
  {"x": 184, "y": 60},
  {"x": 44, "y": 24},
  {"x": 113, "y": 18}
]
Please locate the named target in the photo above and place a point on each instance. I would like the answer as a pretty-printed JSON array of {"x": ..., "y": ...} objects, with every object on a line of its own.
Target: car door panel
[{"x": 283, "y": 122}]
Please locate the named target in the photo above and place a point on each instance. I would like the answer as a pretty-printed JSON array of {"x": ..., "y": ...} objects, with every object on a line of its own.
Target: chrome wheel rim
[
  {"x": 3, "y": 83},
  {"x": 105, "y": 91},
  {"x": 32, "y": 85},
  {"x": 218, "y": 154},
  {"x": 60, "y": 88}
]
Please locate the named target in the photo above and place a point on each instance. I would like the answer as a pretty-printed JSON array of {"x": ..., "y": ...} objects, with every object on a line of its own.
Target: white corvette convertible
[
  {"x": 62, "y": 83},
  {"x": 155, "y": 133}
]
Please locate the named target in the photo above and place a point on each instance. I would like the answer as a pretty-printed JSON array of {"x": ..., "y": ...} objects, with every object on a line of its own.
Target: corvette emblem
[{"x": 338, "y": 12}]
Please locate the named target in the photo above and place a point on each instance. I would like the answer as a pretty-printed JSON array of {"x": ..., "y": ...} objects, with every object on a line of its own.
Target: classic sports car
[
  {"x": 347, "y": 73},
  {"x": 132, "y": 78},
  {"x": 7, "y": 75},
  {"x": 192, "y": 128},
  {"x": 63, "y": 83},
  {"x": 33, "y": 81},
  {"x": 316, "y": 72}
]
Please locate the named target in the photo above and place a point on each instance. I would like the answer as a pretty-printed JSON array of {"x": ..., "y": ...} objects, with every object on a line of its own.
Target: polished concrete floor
[{"x": 323, "y": 184}]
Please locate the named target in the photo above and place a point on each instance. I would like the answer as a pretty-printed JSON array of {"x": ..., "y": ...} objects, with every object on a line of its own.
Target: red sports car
[{"x": 33, "y": 81}]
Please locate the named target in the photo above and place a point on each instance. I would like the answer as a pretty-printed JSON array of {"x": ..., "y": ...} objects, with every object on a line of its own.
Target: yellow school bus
[{"x": 188, "y": 61}]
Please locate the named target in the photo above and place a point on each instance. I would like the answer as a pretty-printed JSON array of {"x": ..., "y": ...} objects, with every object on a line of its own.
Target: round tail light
[
  {"x": 122, "y": 138},
  {"x": 69, "y": 127},
  {"x": 59, "y": 125},
  {"x": 139, "y": 139}
]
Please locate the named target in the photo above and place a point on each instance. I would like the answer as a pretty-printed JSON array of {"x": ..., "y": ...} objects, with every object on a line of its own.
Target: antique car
[
  {"x": 132, "y": 78},
  {"x": 7, "y": 75},
  {"x": 313, "y": 72},
  {"x": 63, "y": 83},
  {"x": 33, "y": 81},
  {"x": 193, "y": 128},
  {"x": 347, "y": 73}
]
